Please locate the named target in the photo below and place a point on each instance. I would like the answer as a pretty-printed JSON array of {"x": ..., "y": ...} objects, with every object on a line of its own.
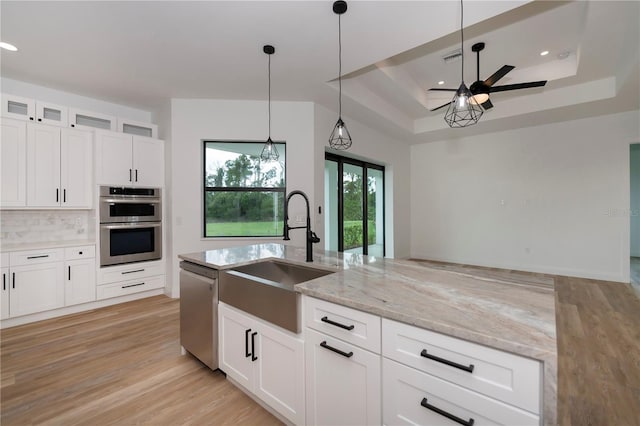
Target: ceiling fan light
[{"x": 480, "y": 98}]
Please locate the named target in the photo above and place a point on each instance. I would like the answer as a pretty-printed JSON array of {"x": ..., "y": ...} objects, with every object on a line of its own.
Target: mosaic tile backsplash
[{"x": 34, "y": 226}]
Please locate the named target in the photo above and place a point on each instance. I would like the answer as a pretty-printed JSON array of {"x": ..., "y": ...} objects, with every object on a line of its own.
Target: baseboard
[{"x": 39, "y": 316}]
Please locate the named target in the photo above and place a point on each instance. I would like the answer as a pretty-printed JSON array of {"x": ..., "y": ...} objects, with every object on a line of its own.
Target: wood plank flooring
[
  {"x": 122, "y": 365},
  {"x": 119, "y": 365}
]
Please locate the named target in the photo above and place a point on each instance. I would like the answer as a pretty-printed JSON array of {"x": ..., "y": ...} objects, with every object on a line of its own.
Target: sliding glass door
[{"x": 354, "y": 206}]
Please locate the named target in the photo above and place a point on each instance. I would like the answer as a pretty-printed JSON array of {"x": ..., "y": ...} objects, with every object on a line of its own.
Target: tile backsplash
[{"x": 34, "y": 226}]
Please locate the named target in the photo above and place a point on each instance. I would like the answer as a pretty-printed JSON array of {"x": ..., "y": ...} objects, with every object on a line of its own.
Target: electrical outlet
[{"x": 299, "y": 218}]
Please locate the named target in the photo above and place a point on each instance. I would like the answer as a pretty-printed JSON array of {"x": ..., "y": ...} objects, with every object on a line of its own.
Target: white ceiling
[{"x": 142, "y": 53}]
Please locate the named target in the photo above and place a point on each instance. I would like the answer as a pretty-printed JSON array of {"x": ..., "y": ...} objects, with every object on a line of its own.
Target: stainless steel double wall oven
[{"x": 130, "y": 225}]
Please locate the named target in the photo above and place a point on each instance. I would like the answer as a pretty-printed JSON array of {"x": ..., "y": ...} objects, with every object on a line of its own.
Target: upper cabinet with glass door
[{"x": 28, "y": 109}]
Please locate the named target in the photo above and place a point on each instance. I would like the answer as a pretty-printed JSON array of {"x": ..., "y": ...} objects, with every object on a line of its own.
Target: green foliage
[
  {"x": 353, "y": 233},
  {"x": 256, "y": 229}
]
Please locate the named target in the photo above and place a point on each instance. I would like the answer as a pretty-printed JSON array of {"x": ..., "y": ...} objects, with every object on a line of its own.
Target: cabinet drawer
[
  {"x": 128, "y": 287},
  {"x": 353, "y": 326},
  {"x": 407, "y": 391},
  {"x": 32, "y": 257},
  {"x": 509, "y": 378},
  {"x": 80, "y": 252},
  {"x": 113, "y": 274}
]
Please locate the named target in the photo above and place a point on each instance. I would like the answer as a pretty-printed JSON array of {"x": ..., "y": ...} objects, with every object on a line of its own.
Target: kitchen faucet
[{"x": 311, "y": 236}]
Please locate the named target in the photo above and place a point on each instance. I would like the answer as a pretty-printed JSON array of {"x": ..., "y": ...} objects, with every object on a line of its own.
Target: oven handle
[
  {"x": 131, "y": 201},
  {"x": 133, "y": 225}
]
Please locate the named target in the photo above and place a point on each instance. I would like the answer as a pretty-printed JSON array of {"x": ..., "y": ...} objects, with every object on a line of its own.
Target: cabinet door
[
  {"x": 235, "y": 341},
  {"x": 80, "y": 281},
  {"x": 4, "y": 294},
  {"x": 36, "y": 288},
  {"x": 76, "y": 168},
  {"x": 18, "y": 107},
  {"x": 43, "y": 166},
  {"x": 13, "y": 163},
  {"x": 280, "y": 372},
  {"x": 113, "y": 158},
  {"x": 55, "y": 115},
  {"x": 148, "y": 161},
  {"x": 342, "y": 389}
]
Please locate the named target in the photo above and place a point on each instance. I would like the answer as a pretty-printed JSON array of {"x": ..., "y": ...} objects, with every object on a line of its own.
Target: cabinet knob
[
  {"x": 73, "y": 125},
  {"x": 31, "y": 118},
  {"x": 79, "y": 252},
  {"x": 39, "y": 119}
]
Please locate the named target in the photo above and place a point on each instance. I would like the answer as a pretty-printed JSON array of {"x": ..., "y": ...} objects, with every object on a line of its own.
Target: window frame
[{"x": 206, "y": 189}]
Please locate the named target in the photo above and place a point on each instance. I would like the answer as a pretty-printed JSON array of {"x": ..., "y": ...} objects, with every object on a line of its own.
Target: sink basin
[{"x": 265, "y": 289}]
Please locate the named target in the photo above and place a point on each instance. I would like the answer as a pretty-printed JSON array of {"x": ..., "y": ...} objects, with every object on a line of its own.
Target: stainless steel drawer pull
[
  {"x": 447, "y": 362},
  {"x": 338, "y": 351},
  {"x": 132, "y": 285},
  {"x": 131, "y": 272},
  {"x": 450, "y": 416},
  {"x": 337, "y": 324},
  {"x": 38, "y": 257}
]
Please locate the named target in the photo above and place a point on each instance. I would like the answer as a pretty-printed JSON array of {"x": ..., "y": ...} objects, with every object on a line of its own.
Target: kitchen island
[{"x": 510, "y": 317}]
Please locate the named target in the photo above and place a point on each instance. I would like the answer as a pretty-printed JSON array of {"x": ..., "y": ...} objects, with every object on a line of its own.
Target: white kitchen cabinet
[
  {"x": 124, "y": 159},
  {"x": 59, "y": 167},
  {"x": 4, "y": 294},
  {"x": 80, "y": 280},
  {"x": 90, "y": 120},
  {"x": 18, "y": 108},
  {"x": 266, "y": 361},
  {"x": 343, "y": 382},
  {"x": 13, "y": 163},
  {"x": 36, "y": 288},
  {"x": 27, "y": 109}
]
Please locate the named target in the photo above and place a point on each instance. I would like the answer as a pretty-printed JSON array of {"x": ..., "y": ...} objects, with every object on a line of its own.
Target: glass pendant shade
[
  {"x": 340, "y": 137},
  {"x": 463, "y": 110},
  {"x": 269, "y": 151}
]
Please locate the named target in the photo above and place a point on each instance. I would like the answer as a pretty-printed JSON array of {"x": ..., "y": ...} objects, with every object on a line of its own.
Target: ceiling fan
[{"x": 481, "y": 89}]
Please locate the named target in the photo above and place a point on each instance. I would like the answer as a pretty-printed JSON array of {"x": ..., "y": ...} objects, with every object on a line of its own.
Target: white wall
[
  {"x": 377, "y": 148},
  {"x": 195, "y": 120},
  {"x": 635, "y": 200},
  {"x": 71, "y": 100},
  {"x": 550, "y": 198}
]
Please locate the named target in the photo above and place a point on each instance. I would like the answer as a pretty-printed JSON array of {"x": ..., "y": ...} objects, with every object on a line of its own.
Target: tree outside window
[{"x": 243, "y": 195}]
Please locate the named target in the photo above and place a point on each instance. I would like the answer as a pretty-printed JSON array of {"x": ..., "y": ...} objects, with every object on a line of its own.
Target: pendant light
[
  {"x": 269, "y": 151},
  {"x": 340, "y": 137},
  {"x": 463, "y": 110}
]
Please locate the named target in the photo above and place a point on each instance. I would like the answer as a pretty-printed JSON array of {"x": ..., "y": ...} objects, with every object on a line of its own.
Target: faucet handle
[{"x": 314, "y": 237}]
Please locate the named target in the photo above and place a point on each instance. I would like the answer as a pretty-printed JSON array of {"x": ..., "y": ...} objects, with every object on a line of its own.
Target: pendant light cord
[
  {"x": 269, "y": 96},
  {"x": 339, "y": 68},
  {"x": 462, "y": 37}
]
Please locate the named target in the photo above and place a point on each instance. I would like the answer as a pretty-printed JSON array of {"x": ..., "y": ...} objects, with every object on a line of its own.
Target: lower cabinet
[
  {"x": 343, "y": 382},
  {"x": 263, "y": 359},
  {"x": 41, "y": 280},
  {"x": 36, "y": 288}
]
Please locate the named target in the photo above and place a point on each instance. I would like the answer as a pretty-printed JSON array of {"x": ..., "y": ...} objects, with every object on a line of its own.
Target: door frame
[{"x": 340, "y": 160}]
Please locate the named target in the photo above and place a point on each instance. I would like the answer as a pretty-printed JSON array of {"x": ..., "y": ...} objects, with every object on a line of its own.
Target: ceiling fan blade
[
  {"x": 498, "y": 75},
  {"x": 441, "y": 106},
  {"x": 438, "y": 89},
  {"x": 487, "y": 104},
  {"x": 517, "y": 86}
]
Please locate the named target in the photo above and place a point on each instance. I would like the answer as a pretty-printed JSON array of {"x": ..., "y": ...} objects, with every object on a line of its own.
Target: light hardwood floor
[
  {"x": 122, "y": 365},
  {"x": 119, "y": 365}
]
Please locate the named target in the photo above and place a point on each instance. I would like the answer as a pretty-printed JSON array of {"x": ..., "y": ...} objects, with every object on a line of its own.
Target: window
[
  {"x": 354, "y": 206},
  {"x": 243, "y": 196}
]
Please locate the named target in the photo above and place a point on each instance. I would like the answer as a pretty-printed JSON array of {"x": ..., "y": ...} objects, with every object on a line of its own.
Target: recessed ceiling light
[
  {"x": 441, "y": 82},
  {"x": 544, "y": 53},
  {"x": 8, "y": 46},
  {"x": 564, "y": 55}
]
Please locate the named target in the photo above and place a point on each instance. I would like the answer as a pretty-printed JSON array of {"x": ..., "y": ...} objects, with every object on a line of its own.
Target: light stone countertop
[
  {"x": 512, "y": 317},
  {"x": 6, "y": 247}
]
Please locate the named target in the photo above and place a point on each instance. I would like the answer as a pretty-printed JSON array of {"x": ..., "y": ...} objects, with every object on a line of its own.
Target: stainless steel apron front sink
[{"x": 265, "y": 289}]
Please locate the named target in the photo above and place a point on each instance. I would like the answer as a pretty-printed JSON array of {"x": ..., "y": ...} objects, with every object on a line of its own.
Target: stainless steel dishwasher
[{"x": 199, "y": 312}]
